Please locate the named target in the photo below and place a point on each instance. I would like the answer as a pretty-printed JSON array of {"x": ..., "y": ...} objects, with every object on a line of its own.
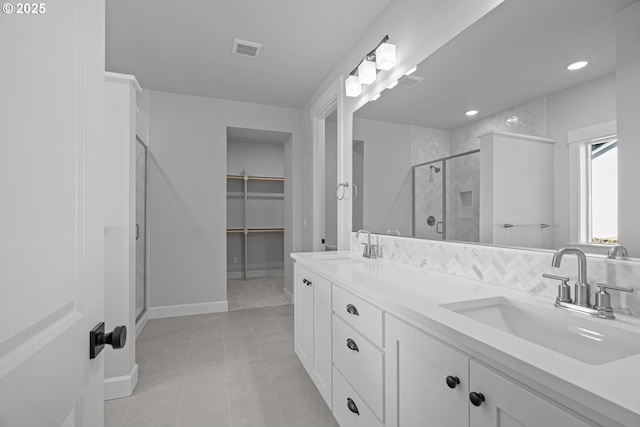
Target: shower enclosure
[
  {"x": 141, "y": 228},
  {"x": 446, "y": 198}
]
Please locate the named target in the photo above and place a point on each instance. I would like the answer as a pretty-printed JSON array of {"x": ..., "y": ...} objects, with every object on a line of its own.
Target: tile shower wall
[{"x": 517, "y": 269}]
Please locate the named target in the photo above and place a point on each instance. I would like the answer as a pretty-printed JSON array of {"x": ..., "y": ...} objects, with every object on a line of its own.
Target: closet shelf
[
  {"x": 256, "y": 230},
  {"x": 255, "y": 194},
  {"x": 256, "y": 178}
]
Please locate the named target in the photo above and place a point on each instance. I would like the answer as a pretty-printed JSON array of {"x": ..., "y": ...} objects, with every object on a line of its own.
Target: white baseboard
[
  {"x": 142, "y": 323},
  {"x": 277, "y": 272},
  {"x": 187, "y": 309},
  {"x": 288, "y": 295},
  {"x": 117, "y": 387}
]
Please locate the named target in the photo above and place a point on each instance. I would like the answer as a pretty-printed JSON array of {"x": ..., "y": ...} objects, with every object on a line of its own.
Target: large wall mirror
[{"x": 493, "y": 140}]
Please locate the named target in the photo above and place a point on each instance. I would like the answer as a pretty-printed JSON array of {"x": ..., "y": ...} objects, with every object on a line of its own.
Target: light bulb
[
  {"x": 386, "y": 56},
  {"x": 367, "y": 72},
  {"x": 393, "y": 84},
  {"x": 353, "y": 87}
]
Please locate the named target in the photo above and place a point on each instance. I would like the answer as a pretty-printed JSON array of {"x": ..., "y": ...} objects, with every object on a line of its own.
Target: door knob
[
  {"x": 452, "y": 381},
  {"x": 476, "y": 398},
  {"x": 98, "y": 339}
]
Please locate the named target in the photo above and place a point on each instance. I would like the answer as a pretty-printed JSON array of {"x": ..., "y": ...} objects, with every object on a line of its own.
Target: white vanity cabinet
[
  {"x": 312, "y": 334},
  {"x": 430, "y": 383},
  {"x": 427, "y": 382},
  {"x": 508, "y": 404}
]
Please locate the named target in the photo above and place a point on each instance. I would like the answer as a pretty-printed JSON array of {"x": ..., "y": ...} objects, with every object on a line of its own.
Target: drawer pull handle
[
  {"x": 352, "y": 406},
  {"x": 453, "y": 382},
  {"x": 351, "y": 309},
  {"x": 476, "y": 398},
  {"x": 352, "y": 345}
]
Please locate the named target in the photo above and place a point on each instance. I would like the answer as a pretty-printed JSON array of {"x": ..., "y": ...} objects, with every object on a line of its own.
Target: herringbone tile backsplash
[{"x": 517, "y": 269}]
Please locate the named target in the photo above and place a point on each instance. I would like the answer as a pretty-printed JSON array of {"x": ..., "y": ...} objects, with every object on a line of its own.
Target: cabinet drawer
[
  {"x": 346, "y": 401},
  {"x": 360, "y": 362},
  {"x": 362, "y": 316}
]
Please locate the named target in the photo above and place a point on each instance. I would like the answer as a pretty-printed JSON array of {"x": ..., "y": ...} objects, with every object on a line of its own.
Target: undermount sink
[
  {"x": 592, "y": 341},
  {"x": 341, "y": 259}
]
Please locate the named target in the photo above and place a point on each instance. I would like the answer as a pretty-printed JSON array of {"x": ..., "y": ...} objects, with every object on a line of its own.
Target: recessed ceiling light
[
  {"x": 577, "y": 65},
  {"x": 411, "y": 71},
  {"x": 393, "y": 84},
  {"x": 471, "y": 113}
]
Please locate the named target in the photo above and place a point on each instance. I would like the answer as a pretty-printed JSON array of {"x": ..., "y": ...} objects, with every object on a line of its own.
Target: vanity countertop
[{"x": 416, "y": 294}]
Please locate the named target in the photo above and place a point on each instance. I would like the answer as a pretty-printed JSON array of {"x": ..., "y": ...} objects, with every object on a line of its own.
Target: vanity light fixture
[
  {"x": 352, "y": 86},
  {"x": 411, "y": 71},
  {"x": 471, "y": 113},
  {"x": 382, "y": 57},
  {"x": 375, "y": 97},
  {"x": 578, "y": 65},
  {"x": 367, "y": 72},
  {"x": 393, "y": 84}
]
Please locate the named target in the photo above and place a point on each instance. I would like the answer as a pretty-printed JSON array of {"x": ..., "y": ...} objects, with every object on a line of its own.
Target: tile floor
[
  {"x": 258, "y": 292},
  {"x": 225, "y": 369}
]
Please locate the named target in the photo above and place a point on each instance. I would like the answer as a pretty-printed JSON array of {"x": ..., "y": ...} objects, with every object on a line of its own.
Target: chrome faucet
[
  {"x": 617, "y": 250},
  {"x": 601, "y": 308},
  {"x": 582, "y": 290},
  {"x": 370, "y": 251}
]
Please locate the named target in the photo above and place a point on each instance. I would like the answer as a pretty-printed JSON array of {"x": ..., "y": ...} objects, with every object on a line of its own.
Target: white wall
[
  {"x": 120, "y": 370},
  {"x": 516, "y": 183},
  {"x": 628, "y": 105},
  {"x": 187, "y": 200},
  {"x": 258, "y": 158},
  {"x": 387, "y": 172}
]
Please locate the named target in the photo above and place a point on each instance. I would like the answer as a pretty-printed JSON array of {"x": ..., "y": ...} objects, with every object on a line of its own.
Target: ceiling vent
[
  {"x": 409, "y": 81},
  {"x": 245, "y": 48}
]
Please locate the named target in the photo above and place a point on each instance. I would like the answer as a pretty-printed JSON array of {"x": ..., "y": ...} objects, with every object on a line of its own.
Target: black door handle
[
  {"x": 97, "y": 339},
  {"x": 352, "y": 345},
  {"x": 351, "y": 309},
  {"x": 352, "y": 406}
]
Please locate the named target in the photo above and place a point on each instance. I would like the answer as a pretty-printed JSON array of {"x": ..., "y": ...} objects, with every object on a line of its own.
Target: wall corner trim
[
  {"x": 187, "y": 309},
  {"x": 288, "y": 295},
  {"x": 117, "y": 387}
]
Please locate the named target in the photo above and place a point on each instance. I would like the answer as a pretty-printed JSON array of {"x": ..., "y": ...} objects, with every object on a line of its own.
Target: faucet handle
[
  {"x": 564, "y": 291},
  {"x": 603, "y": 298}
]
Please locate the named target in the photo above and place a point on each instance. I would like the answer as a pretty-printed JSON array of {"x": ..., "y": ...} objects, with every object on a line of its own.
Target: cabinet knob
[
  {"x": 351, "y": 309},
  {"x": 306, "y": 282},
  {"x": 352, "y": 345},
  {"x": 453, "y": 382},
  {"x": 476, "y": 398},
  {"x": 352, "y": 406}
]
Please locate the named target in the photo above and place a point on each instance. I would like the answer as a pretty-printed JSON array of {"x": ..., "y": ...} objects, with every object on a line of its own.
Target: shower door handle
[
  {"x": 137, "y": 231},
  {"x": 438, "y": 230}
]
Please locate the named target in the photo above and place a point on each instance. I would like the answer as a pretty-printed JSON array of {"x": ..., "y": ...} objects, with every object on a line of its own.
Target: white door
[
  {"x": 506, "y": 404},
  {"x": 51, "y": 228},
  {"x": 427, "y": 382}
]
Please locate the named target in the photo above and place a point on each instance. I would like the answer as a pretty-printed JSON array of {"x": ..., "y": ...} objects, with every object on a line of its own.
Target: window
[{"x": 604, "y": 191}]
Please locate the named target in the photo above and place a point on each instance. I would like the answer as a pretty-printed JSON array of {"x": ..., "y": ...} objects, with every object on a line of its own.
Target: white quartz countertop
[{"x": 416, "y": 294}]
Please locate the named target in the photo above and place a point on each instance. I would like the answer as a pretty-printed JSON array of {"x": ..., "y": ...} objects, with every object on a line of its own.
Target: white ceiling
[
  {"x": 185, "y": 46},
  {"x": 516, "y": 53}
]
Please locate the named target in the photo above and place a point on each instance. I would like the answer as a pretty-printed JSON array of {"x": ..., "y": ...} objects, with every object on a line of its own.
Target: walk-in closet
[{"x": 255, "y": 217}]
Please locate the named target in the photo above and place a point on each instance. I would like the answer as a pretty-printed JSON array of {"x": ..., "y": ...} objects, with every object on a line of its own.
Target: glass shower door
[
  {"x": 141, "y": 229},
  {"x": 429, "y": 218}
]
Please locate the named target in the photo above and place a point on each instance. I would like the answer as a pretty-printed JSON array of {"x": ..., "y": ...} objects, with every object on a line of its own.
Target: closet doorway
[{"x": 255, "y": 217}]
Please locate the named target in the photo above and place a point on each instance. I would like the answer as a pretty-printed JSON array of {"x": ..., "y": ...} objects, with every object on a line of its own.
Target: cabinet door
[
  {"x": 417, "y": 368},
  {"x": 507, "y": 404},
  {"x": 303, "y": 316},
  {"x": 321, "y": 289}
]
